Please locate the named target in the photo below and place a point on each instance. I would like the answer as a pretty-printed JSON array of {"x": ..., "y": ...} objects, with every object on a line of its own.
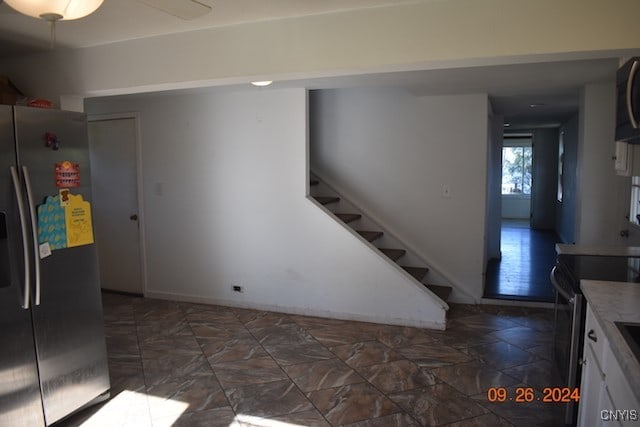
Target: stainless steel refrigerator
[{"x": 53, "y": 358}]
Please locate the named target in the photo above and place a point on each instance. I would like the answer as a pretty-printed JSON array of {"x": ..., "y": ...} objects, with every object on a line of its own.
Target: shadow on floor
[{"x": 527, "y": 259}]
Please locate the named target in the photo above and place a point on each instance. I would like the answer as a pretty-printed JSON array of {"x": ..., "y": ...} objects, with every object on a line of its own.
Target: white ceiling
[
  {"x": 118, "y": 20},
  {"x": 512, "y": 88}
]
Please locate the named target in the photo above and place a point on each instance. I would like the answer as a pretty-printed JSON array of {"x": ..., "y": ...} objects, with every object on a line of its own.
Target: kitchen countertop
[
  {"x": 619, "y": 302},
  {"x": 564, "y": 249}
]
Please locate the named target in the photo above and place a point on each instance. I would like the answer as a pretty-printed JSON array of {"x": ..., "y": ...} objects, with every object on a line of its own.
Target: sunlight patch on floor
[{"x": 130, "y": 408}]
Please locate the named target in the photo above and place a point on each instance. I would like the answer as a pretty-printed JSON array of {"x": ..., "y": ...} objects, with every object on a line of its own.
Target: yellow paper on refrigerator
[{"x": 78, "y": 222}]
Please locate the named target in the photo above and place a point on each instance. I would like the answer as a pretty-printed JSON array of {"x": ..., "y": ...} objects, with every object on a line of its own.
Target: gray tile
[
  {"x": 462, "y": 336},
  {"x": 433, "y": 355},
  {"x": 482, "y": 322},
  {"x": 289, "y": 333},
  {"x": 482, "y": 421},
  {"x": 260, "y": 319},
  {"x": 218, "y": 330},
  {"x": 308, "y": 322},
  {"x": 395, "y": 420},
  {"x": 268, "y": 399},
  {"x": 245, "y": 372},
  {"x": 538, "y": 374},
  {"x": 211, "y": 315},
  {"x": 160, "y": 369},
  {"x": 321, "y": 375},
  {"x": 199, "y": 393},
  {"x": 365, "y": 353},
  {"x": 438, "y": 404},
  {"x": 473, "y": 377},
  {"x": 500, "y": 355},
  {"x": 523, "y": 337},
  {"x": 402, "y": 336},
  {"x": 347, "y": 334},
  {"x": 220, "y": 350},
  {"x": 201, "y": 354},
  {"x": 352, "y": 403},
  {"x": 294, "y": 353},
  {"x": 400, "y": 375}
]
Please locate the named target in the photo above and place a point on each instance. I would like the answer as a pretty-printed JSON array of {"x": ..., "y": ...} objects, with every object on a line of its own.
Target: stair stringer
[
  {"x": 437, "y": 274},
  {"x": 375, "y": 251},
  {"x": 420, "y": 285}
]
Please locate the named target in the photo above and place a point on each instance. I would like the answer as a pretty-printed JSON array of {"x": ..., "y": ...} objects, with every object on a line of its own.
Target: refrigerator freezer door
[
  {"x": 20, "y": 402},
  {"x": 68, "y": 326}
]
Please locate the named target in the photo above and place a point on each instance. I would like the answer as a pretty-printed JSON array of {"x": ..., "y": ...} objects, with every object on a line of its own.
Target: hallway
[{"x": 527, "y": 259}]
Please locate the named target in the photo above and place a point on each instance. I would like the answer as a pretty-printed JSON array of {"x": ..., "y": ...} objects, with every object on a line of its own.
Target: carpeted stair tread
[{"x": 394, "y": 254}]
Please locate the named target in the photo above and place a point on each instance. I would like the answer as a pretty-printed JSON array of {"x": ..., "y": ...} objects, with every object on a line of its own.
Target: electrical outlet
[{"x": 237, "y": 288}]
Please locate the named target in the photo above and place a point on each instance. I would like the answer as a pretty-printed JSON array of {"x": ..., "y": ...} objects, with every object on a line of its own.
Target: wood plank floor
[{"x": 523, "y": 272}]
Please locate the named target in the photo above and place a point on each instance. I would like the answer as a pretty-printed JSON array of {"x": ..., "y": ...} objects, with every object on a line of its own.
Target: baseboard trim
[
  {"x": 517, "y": 303},
  {"x": 303, "y": 311}
]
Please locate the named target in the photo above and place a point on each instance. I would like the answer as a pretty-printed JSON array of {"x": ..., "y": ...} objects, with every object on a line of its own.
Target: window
[{"x": 516, "y": 170}]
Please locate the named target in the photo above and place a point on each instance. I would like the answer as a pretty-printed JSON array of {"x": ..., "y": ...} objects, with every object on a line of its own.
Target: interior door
[{"x": 113, "y": 143}]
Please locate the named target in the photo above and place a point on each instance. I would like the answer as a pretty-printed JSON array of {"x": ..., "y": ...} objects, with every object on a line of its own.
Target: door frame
[{"x": 140, "y": 187}]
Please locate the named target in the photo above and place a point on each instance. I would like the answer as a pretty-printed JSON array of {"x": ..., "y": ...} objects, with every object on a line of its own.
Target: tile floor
[{"x": 179, "y": 364}]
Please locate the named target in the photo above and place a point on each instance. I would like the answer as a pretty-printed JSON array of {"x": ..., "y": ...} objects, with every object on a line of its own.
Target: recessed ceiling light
[
  {"x": 262, "y": 83},
  {"x": 507, "y": 125},
  {"x": 536, "y": 105}
]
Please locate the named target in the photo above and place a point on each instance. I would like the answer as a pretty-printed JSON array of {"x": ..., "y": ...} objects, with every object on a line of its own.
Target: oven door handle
[{"x": 558, "y": 288}]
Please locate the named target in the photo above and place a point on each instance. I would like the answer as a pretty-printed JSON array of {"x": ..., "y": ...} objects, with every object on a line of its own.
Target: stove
[{"x": 570, "y": 308}]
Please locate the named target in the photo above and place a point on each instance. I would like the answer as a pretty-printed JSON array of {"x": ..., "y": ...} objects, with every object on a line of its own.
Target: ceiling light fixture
[
  {"x": 536, "y": 105},
  {"x": 55, "y": 10},
  {"x": 507, "y": 125},
  {"x": 262, "y": 83}
]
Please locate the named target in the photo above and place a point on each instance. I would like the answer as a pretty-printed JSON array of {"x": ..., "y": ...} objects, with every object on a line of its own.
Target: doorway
[
  {"x": 114, "y": 146},
  {"x": 517, "y": 178},
  {"x": 527, "y": 237}
]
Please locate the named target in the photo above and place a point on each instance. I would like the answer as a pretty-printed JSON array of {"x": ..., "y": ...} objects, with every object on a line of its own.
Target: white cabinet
[
  {"x": 592, "y": 385},
  {"x": 592, "y": 388},
  {"x": 604, "y": 391}
]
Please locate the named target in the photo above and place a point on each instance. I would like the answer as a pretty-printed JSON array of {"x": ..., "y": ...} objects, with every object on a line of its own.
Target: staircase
[{"x": 368, "y": 230}]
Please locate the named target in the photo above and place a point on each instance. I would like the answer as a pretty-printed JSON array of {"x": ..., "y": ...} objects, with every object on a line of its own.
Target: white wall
[
  {"x": 391, "y": 153},
  {"x": 516, "y": 207},
  {"x": 233, "y": 210},
  {"x": 422, "y": 35},
  {"x": 599, "y": 214},
  {"x": 494, "y": 185}
]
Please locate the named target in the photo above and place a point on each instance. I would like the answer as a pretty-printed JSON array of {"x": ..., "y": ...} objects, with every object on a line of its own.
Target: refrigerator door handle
[
  {"x": 34, "y": 232},
  {"x": 632, "y": 76},
  {"x": 26, "y": 294}
]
